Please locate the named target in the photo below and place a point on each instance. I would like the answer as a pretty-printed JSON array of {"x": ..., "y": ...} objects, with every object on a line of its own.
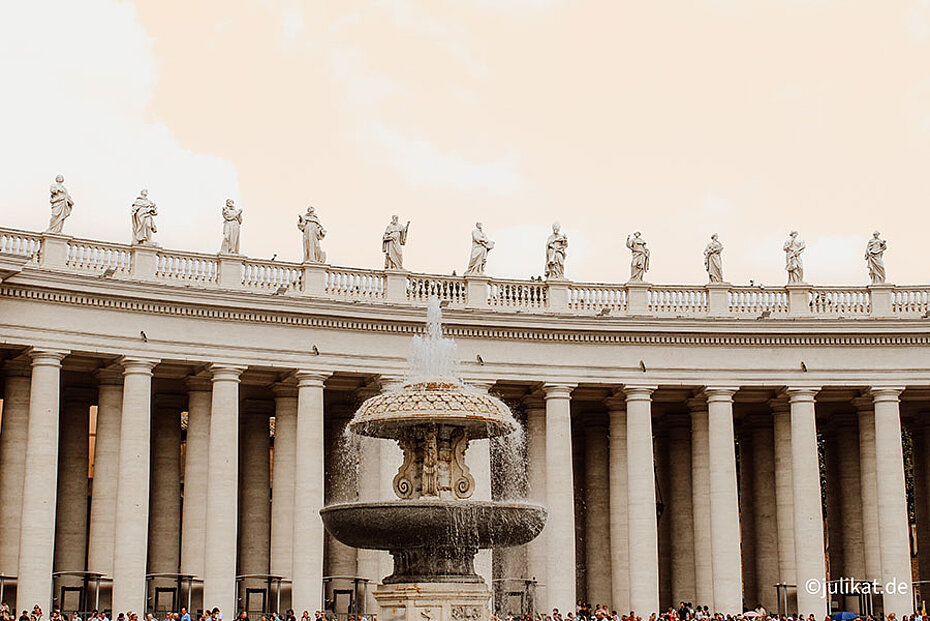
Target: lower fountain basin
[{"x": 433, "y": 540}]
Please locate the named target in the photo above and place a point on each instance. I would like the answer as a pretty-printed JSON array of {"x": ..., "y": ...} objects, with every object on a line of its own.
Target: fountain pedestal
[{"x": 433, "y": 601}]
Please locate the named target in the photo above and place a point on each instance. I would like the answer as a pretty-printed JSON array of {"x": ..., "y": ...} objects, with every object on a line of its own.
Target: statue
[
  {"x": 639, "y": 264},
  {"x": 874, "y": 257},
  {"x": 555, "y": 253},
  {"x": 793, "y": 263},
  {"x": 713, "y": 262},
  {"x": 232, "y": 220},
  {"x": 394, "y": 237},
  {"x": 313, "y": 232},
  {"x": 143, "y": 219},
  {"x": 480, "y": 246},
  {"x": 61, "y": 205}
]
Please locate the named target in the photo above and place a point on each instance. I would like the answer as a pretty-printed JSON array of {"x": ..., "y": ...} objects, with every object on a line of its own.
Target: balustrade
[{"x": 155, "y": 264}]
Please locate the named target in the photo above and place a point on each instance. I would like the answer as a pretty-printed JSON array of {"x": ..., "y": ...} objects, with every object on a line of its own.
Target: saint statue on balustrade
[
  {"x": 392, "y": 242},
  {"x": 61, "y": 205},
  {"x": 875, "y": 258},
  {"x": 480, "y": 246},
  {"x": 143, "y": 219},
  {"x": 232, "y": 221}
]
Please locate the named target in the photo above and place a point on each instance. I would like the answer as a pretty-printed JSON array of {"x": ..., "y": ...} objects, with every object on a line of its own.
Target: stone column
[
  {"x": 196, "y": 473},
  {"x": 560, "y": 494},
  {"x": 309, "y": 487},
  {"x": 165, "y": 494},
  {"x": 700, "y": 504},
  {"x": 747, "y": 517},
  {"x": 106, "y": 474},
  {"x": 765, "y": 508},
  {"x": 724, "y": 503},
  {"x": 597, "y": 514},
  {"x": 641, "y": 508},
  {"x": 680, "y": 511},
  {"x": 784, "y": 495},
  {"x": 619, "y": 527},
  {"x": 13, "y": 439},
  {"x": 893, "y": 525},
  {"x": 73, "y": 460},
  {"x": 868, "y": 486},
  {"x": 369, "y": 490},
  {"x": 219, "y": 575},
  {"x": 536, "y": 567},
  {"x": 40, "y": 482},
  {"x": 254, "y": 487},
  {"x": 808, "y": 515},
  {"x": 132, "y": 505},
  {"x": 282, "y": 480},
  {"x": 478, "y": 460},
  {"x": 850, "y": 497}
]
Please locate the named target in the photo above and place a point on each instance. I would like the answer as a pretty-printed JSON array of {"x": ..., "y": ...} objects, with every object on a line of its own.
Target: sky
[{"x": 679, "y": 119}]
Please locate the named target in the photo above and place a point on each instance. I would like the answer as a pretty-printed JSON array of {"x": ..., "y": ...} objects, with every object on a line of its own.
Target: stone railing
[{"x": 105, "y": 260}]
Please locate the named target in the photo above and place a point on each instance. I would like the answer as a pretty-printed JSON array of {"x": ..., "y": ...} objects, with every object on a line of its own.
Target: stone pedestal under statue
[{"x": 433, "y": 601}]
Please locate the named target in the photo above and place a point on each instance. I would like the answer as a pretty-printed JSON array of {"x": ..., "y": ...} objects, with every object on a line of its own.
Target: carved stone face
[
  {"x": 393, "y": 219},
  {"x": 478, "y": 225},
  {"x": 144, "y": 193},
  {"x": 876, "y": 234},
  {"x": 229, "y": 202},
  {"x": 59, "y": 179},
  {"x": 794, "y": 234},
  {"x": 556, "y": 227}
]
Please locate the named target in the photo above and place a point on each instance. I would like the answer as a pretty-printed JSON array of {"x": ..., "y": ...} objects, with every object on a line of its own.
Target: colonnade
[{"x": 734, "y": 526}]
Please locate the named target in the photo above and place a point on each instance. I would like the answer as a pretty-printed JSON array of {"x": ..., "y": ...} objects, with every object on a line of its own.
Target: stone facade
[{"x": 635, "y": 397}]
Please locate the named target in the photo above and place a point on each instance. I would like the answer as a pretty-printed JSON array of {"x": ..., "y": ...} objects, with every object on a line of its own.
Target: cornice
[{"x": 247, "y": 307}]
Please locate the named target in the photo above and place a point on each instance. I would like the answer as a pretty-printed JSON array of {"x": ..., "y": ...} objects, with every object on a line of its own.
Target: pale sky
[{"x": 748, "y": 118}]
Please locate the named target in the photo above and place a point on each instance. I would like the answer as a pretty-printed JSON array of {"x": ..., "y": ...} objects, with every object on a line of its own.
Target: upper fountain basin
[
  {"x": 433, "y": 402},
  {"x": 406, "y": 524}
]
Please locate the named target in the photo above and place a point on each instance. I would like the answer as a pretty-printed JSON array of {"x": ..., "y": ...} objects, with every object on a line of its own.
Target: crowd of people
[{"x": 583, "y": 612}]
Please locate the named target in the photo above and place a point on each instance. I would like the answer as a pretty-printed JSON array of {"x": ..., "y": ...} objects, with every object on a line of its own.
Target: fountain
[{"x": 434, "y": 529}]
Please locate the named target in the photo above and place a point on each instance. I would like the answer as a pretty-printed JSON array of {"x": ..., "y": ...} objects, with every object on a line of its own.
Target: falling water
[{"x": 432, "y": 356}]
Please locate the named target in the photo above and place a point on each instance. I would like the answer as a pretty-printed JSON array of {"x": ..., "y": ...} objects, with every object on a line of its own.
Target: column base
[{"x": 433, "y": 601}]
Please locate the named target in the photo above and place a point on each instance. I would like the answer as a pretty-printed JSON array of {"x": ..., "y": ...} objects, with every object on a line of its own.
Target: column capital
[
  {"x": 198, "y": 384},
  {"x": 697, "y": 404},
  {"x": 226, "y": 372},
  {"x": 307, "y": 377},
  {"x": 885, "y": 394},
  {"x": 639, "y": 392},
  {"x": 482, "y": 385},
  {"x": 616, "y": 401},
  {"x": 534, "y": 401},
  {"x": 720, "y": 394},
  {"x": 47, "y": 357},
  {"x": 133, "y": 365},
  {"x": 802, "y": 394},
  {"x": 863, "y": 404},
  {"x": 284, "y": 389},
  {"x": 780, "y": 404},
  {"x": 558, "y": 391},
  {"x": 390, "y": 382},
  {"x": 110, "y": 376}
]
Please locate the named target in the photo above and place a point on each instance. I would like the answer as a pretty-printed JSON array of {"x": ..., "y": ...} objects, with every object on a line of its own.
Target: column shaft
[
  {"x": 309, "y": 489},
  {"x": 764, "y": 508},
  {"x": 40, "y": 480},
  {"x": 808, "y": 514},
  {"x": 619, "y": 497},
  {"x": 643, "y": 532},
  {"x": 106, "y": 474},
  {"x": 73, "y": 460},
  {"x": 165, "y": 495},
  {"x": 254, "y": 489},
  {"x": 724, "y": 503},
  {"x": 13, "y": 439},
  {"x": 282, "y": 480},
  {"x": 219, "y": 576},
  {"x": 893, "y": 525},
  {"x": 680, "y": 513},
  {"x": 196, "y": 473},
  {"x": 536, "y": 491},
  {"x": 700, "y": 500},
  {"x": 869, "y": 491},
  {"x": 560, "y": 493},
  {"x": 597, "y": 514},
  {"x": 784, "y": 496},
  {"x": 132, "y": 505}
]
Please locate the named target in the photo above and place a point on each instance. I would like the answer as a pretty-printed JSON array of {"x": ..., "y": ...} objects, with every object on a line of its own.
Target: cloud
[
  {"x": 424, "y": 164},
  {"x": 78, "y": 78}
]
